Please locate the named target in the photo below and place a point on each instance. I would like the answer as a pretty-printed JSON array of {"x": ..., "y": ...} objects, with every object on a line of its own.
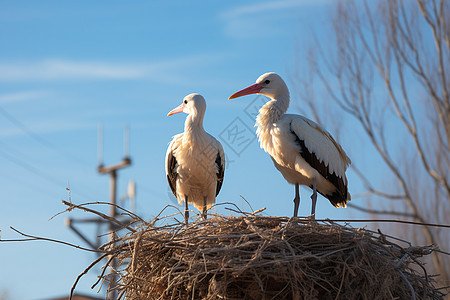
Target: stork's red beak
[
  {"x": 176, "y": 110},
  {"x": 253, "y": 89}
]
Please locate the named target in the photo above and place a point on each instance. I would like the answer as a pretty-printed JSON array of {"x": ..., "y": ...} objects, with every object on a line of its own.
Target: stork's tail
[{"x": 338, "y": 200}]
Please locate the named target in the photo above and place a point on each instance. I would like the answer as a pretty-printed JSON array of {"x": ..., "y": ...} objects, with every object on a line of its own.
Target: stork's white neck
[
  {"x": 273, "y": 111},
  {"x": 193, "y": 126}
]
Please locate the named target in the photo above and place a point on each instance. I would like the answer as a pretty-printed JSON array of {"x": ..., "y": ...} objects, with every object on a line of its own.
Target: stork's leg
[
  {"x": 186, "y": 210},
  {"x": 204, "y": 208},
  {"x": 296, "y": 200},
  {"x": 314, "y": 201}
]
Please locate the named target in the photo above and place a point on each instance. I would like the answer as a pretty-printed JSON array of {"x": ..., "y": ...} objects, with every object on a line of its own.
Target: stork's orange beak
[
  {"x": 253, "y": 89},
  {"x": 176, "y": 110}
]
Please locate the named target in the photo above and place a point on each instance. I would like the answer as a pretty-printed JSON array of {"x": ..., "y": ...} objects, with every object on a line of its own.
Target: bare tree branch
[
  {"x": 388, "y": 51},
  {"x": 381, "y": 212}
]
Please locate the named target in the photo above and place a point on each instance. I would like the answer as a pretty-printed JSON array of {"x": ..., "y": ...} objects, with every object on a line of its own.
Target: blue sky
[{"x": 66, "y": 67}]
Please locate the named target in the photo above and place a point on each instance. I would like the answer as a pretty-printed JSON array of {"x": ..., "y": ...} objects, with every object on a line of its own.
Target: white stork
[
  {"x": 195, "y": 161},
  {"x": 300, "y": 149}
]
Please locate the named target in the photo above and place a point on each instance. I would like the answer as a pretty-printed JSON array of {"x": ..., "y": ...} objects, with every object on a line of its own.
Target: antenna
[
  {"x": 100, "y": 144},
  {"x": 126, "y": 141}
]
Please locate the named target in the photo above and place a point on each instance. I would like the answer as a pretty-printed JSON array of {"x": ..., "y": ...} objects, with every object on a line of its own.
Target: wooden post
[{"x": 112, "y": 171}]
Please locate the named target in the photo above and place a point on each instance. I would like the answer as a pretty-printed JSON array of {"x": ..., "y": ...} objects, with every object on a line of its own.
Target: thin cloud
[
  {"x": 23, "y": 96},
  {"x": 256, "y": 20},
  {"x": 57, "y": 69},
  {"x": 63, "y": 69},
  {"x": 267, "y": 7},
  {"x": 42, "y": 127}
]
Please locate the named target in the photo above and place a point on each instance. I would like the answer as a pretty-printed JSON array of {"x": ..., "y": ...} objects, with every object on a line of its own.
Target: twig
[
  {"x": 340, "y": 286},
  {"x": 106, "y": 217},
  {"x": 103, "y": 271},
  {"x": 413, "y": 294},
  {"x": 258, "y": 211},
  {"x": 84, "y": 272},
  {"x": 34, "y": 238},
  {"x": 248, "y": 203},
  {"x": 230, "y": 203}
]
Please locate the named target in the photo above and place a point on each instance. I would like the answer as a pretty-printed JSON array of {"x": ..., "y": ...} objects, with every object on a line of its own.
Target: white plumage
[
  {"x": 195, "y": 161},
  {"x": 301, "y": 150}
]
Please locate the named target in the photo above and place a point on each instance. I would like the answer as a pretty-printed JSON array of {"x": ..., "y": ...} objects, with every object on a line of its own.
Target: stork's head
[
  {"x": 269, "y": 84},
  {"x": 193, "y": 104}
]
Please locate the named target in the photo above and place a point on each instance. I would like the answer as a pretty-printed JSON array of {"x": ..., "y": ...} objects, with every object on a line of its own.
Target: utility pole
[{"x": 112, "y": 171}]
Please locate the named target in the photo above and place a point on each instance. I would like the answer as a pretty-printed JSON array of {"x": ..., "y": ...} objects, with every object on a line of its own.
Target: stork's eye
[
  {"x": 185, "y": 101},
  {"x": 267, "y": 81}
]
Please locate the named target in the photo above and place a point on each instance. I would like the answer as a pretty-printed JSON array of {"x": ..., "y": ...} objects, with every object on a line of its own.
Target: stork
[
  {"x": 195, "y": 161},
  {"x": 300, "y": 149}
]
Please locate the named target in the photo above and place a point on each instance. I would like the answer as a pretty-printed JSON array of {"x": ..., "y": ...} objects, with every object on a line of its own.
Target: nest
[{"x": 256, "y": 257}]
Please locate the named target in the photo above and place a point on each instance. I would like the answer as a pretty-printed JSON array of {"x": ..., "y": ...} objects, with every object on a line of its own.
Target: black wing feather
[
  {"x": 220, "y": 173},
  {"x": 340, "y": 195},
  {"x": 172, "y": 173}
]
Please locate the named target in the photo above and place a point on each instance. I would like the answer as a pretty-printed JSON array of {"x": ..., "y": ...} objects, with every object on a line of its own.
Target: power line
[
  {"x": 38, "y": 138},
  {"x": 24, "y": 183},
  {"x": 29, "y": 167},
  {"x": 41, "y": 141},
  {"x": 25, "y": 129},
  {"x": 25, "y": 165}
]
